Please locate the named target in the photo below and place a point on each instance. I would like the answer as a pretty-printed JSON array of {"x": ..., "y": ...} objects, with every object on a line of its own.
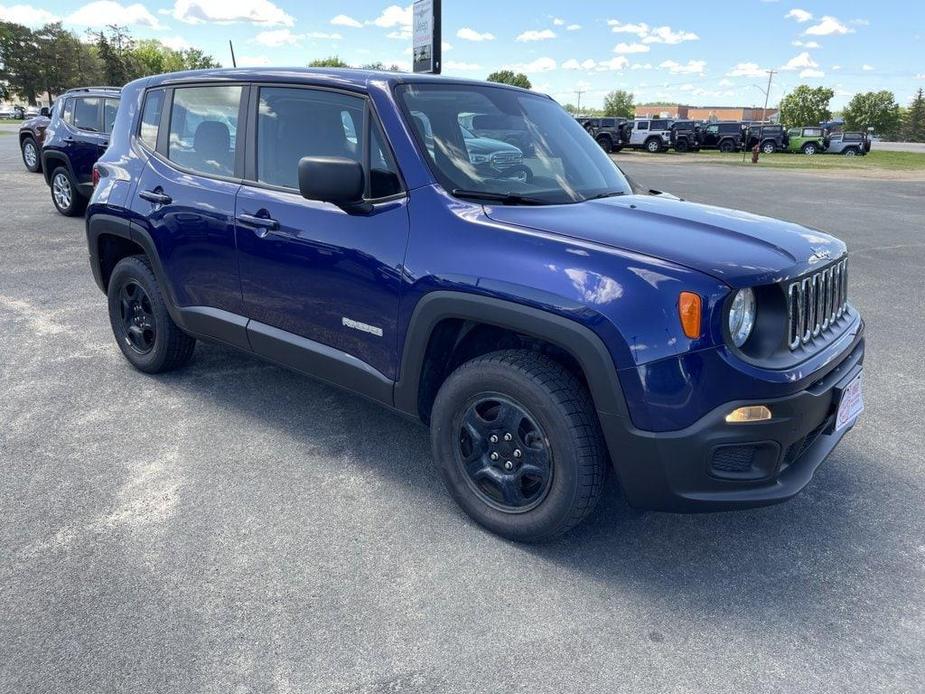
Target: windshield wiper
[
  {"x": 503, "y": 198},
  {"x": 610, "y": 194}
]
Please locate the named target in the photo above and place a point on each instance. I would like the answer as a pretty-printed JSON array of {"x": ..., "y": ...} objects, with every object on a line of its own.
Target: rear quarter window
[{"x": 151, "y": 117}]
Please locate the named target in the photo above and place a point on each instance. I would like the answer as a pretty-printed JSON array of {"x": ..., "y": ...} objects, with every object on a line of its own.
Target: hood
[
  {"x": 738, "y": 248},
  {"x": 36, "y": 122},
  {"x": 486, "y": 145}
]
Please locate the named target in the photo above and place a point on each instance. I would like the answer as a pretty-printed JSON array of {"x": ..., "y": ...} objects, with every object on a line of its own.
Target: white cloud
[
  {"x": 836, "y": 68},
  {"x": 447, "y": 46},
  {"x": 573, "y": 64},
  {"x": 641, "y": 66},
  {"x": 228, "y": 11},
  {"x": 828, "y": 26},
  {"x": 692, "y": 67},
  {"x": 104, "y": 12},
  {"x": 276, "y": 38},
  {"x": 253, "y": 61},
  {"x": 618, "y": 27},
  {"x": 920, "y": 76},
  {"x": 616, "y": 63},
  {"x": 799, "y": 62},
  {"x": 726, "y": 82},
  {"x": 537, "y": 35},
  {"x": 558, "y": 22},
  {"x": 806, "y": 44},
  {"x": 746, "y": 70},
  {"x": 399, "y": 34},
  {"x": 323, "y": 35},
  {"x": 468, "y": 34},
  {"x": 538, "y": 65},
  {"x": 343, "y": 20},
  {"x": 573, "y": 27},
  {"x": 177, "y": 43},
  {"x": 867, "y": 68},
  {"x": 631, "y": 48},
  {"x": 799, "y": 15},
  {"x": 811, "y": 72},
  {"x": 24, "y": 14},
  {"x": 458, "y": 66},
  {"x": 394, "y": 16},
  {"x": 861, "y": 22},
  {"x": 668, "y": 35}
]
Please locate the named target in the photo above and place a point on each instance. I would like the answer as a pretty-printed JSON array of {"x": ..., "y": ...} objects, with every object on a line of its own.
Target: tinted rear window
[
  {"x": 151, "y": 117},
  {"x": 203, "y": 128},
  {"x": 87, "y": 113}
]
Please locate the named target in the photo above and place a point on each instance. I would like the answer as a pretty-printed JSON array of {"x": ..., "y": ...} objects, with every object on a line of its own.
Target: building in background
[{"x": 706, "y": 113}]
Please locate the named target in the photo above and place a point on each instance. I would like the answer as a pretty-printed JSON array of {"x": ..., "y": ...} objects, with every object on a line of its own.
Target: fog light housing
[{"x": 751, "y": 413}]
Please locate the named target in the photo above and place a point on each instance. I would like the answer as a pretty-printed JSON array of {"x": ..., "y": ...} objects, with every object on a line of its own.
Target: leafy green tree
[
  {"x": 914, "y": 123},
  {"x": 195, "y": 59},
  {"x": 877, "y": 110},
  {"x": 806, "y": 105},
  {"x": 517, "y": 79},
  {"x": 114, "y": 49},
  {"x": 18, "y": 67},
  {"x": 619, "y": 103},
  {"x": 331, "y": 61}
]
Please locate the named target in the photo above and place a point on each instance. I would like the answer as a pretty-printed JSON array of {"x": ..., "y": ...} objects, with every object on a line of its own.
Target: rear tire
[
  {"x": 143, "y": 328},
  {"x": 769, "y": 148},
  {"x": 851, "y": 152},
  {"x": 518, "y": 444},
  {"x": 681, "y": 146},
  {"x": 606, "y": 143},
  {"x": 810, "y": 148},
  {"x": 30, "y": 154},
  {"x": 65, "y": 195},
  {"x": 654, "y": 145},
  {"x": 726, "y": 146}
]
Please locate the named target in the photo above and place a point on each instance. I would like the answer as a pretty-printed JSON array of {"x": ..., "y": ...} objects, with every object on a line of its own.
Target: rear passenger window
[
  {"x": 203, "y": 129},
  {"x": 296, "y": 123},
  {"x": 87, "y": 113},
  {"x": 68, "y": 114},
  {"x": 151, "y": 117},
  {"x": 110, "y": 108}
]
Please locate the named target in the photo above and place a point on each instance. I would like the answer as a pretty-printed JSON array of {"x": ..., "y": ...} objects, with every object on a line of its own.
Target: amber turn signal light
[
  {"x": 689, "y": 310},
  {"x": 751, "y": 413}
]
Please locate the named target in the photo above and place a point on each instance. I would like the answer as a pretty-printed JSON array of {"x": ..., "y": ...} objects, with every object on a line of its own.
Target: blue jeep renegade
[{"x": 545, "y": 319}]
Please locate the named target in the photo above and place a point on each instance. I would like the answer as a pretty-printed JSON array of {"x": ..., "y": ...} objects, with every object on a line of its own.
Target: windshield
[{"x": 558, "y": 162}]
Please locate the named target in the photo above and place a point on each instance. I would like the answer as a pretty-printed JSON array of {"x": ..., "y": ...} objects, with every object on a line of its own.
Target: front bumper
[{"x": 714, "y": 466}]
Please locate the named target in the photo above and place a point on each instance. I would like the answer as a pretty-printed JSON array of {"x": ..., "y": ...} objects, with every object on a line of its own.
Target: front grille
[
  {"x": 816, "y": 302},
  {"x": 506, "y": 158},
  {"x": 733, "y": 459}
]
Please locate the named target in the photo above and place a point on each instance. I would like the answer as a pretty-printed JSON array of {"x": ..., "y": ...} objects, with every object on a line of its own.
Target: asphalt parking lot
[{"x": 233, "y": 527}]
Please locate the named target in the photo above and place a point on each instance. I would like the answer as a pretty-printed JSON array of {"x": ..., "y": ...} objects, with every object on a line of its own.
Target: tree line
[{"x": 52, "y": 59}]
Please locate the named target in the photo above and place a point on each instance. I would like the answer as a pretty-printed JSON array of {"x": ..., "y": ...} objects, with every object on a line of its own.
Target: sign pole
[{"x": 427, "y": 44}]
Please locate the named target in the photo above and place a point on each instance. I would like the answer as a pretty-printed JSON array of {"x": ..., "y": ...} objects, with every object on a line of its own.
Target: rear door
[
  {"x": 85, "y": 140},
  {"x": 640, "y": 133},
  {"x": 186, "y": 194}
]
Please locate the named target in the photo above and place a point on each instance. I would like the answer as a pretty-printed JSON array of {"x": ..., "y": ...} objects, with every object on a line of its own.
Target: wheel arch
[
  {"x": 53, "y": 159},
  {"x": 442, "y": 320}
]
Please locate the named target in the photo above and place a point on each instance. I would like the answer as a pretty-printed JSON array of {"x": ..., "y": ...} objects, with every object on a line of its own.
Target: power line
[{"x": 579, "y": 92}]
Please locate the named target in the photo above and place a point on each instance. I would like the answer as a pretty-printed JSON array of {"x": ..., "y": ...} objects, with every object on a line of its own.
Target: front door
[
  {"x": 640, "y": 133},
  {"x": 309, "y": 270}
]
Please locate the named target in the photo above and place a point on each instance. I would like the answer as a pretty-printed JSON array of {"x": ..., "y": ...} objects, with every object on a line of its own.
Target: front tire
[
  {"x": 143, "y": 328},
  {"x": 64, "y": 194},
  {"x": 851, "y": 152},
  {"x": 726, "y": 146},
  {"x": 810, "y": 148},
  {"x": 605, "y": 143},
  {"x": 30, "y": 155},
  {"x": 654, "y": 146},
  {"x": 769, "y": 148},
  {"x": 681, "y": 146},
  {"x": 518, "y": 444}
]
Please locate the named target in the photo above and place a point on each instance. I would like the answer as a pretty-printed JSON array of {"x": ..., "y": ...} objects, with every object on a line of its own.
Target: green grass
[{"x": 891, "y": 161}]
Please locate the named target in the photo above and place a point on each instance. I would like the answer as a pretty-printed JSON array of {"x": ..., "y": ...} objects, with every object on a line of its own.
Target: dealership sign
[{"x": 426, "y": 45}]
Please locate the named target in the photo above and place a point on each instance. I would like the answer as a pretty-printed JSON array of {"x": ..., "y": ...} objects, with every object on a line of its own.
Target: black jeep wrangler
[
  {"x": 685, "y": 135},
  {"x": 608, "y": 132},
  {"x": 770, "y": 138},
  {"x": 726, "y": 136}
]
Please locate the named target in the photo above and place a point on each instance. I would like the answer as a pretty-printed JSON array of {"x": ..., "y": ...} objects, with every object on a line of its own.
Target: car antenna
[{"x": 234, "y": 63}]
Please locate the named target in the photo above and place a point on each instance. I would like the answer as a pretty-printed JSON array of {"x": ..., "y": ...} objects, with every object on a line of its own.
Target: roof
[
  {"x": 344, "y": 77},
  {"x": 93, "y": 89}
]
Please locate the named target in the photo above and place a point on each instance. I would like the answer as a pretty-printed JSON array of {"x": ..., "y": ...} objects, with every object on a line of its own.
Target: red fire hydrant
[{"x": 756, "y": 150}]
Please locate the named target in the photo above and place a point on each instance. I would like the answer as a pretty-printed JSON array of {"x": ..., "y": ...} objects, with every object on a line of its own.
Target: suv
[
  {"x": 806, "y": 140},
  {"x": 769, "y": 138},
  {"x": 726, "y": 136},
  {"x": 685, "y": 135},
  {"x": 651, "y": 134},
  {"x": 74, "y": 139},
  {"x": 544, "y": 327},
  {"x": 849, "y": 144},
  {"x": 31, "y": 136},
  {"x": 607, "y": 132}
]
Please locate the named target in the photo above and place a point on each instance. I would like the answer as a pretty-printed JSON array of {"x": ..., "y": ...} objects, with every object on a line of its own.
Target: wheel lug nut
[
  {"x": 508, "y": 465},
  {"x": 493, "y": 438},
  {"x": 494, "y": 456},
  {"x": 517, "y": 453},
  {"x": 508, "y": 437}
]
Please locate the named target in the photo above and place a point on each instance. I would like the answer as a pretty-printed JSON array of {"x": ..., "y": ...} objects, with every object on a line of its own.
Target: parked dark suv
[
  {"x": 74, "y": 139},
  {"x": 769, "y": 138},
  {"x": 31, "y": 137},
  {"x": 685, "y": 135},
  {"x": 608, "y": 132},
  {"x": 726, "y": 136},
  {"x": 545, "y": 326}
]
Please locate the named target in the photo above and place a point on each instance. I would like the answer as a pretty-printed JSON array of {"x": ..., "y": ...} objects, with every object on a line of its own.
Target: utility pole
[
  {"x": 767, "y": 94},
  {"x": 579, "y": 92},
  {"x": 234, "y": 63}
]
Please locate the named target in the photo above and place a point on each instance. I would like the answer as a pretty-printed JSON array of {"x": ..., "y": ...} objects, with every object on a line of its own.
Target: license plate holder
[{"x": 850, "y": 403}]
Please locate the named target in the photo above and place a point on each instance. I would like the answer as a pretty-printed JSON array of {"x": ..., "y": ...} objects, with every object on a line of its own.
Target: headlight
[
  {"x": 479, "y": 158},
  {"x": 742, "y": 316}
]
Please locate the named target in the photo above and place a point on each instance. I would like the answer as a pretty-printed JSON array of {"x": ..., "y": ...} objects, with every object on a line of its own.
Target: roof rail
[{"x": 87, "y": 89}]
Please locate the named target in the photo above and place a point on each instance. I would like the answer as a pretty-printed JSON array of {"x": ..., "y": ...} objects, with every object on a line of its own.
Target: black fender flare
[
  {"x": 581, "y": 342},
  {"x": 59, "y": 159}
]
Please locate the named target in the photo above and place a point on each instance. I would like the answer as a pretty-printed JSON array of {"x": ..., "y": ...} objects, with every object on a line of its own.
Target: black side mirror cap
[
  {"x": 45, "y": 111},
  {"x": 337, "y": 180}
]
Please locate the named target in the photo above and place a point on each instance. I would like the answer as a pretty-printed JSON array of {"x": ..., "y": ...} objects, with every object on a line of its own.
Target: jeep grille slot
[{"x": 816, "y": 303}]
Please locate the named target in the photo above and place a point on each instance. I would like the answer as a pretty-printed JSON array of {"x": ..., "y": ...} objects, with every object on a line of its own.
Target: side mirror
[
  {"x": 45, "y": 111},
  {"x": 337, "y": 180}
]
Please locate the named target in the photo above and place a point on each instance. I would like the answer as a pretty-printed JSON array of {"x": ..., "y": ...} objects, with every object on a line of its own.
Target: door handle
[
  {"x": 264, "y": 224},
  {"x": 69, "y": 140},
  {"x": 155, "y": 197}
]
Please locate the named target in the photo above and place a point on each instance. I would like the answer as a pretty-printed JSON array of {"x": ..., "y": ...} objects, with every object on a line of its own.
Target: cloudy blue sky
[{"x": 702, "y": 53}]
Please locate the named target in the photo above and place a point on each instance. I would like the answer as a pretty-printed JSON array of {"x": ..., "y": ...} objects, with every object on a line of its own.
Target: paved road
[
  {"x": 233, "y": 527},
  {"x": 900, "y": 146}
]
